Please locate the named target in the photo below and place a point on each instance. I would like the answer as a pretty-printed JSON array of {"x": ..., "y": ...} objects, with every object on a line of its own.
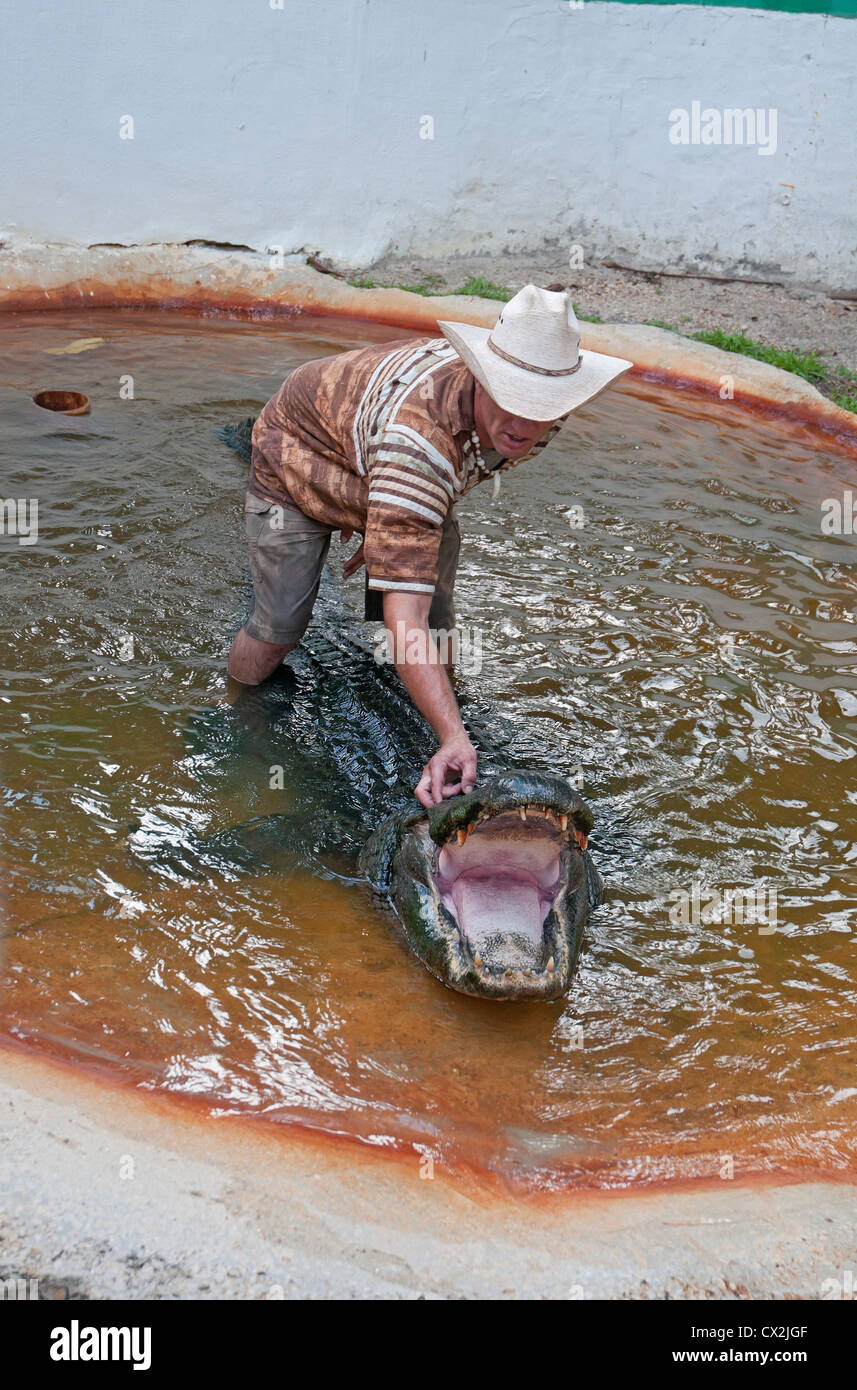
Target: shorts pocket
[
  {"x": 252, "y": 503},
  {"x": 257, "y": 513}
]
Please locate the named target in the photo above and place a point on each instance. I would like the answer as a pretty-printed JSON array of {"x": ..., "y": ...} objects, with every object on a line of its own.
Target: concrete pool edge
[
  {"x": 112, "y": 1192},
  {"x": 43, "y": 277}
]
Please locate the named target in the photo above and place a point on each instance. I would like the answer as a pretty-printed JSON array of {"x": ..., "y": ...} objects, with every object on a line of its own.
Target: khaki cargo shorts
[{"x": 287, "y": 555}]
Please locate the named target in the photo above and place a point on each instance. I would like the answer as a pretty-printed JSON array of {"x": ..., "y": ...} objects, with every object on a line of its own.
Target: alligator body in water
[{"x": 492, "y": 888}]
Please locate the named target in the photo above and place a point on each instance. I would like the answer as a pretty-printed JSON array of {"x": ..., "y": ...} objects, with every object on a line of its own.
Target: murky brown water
[{"x": 690, "y": 648}]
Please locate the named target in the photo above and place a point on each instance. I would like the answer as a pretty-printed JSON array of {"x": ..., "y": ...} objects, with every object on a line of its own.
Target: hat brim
[{"x": 526, "y": 394}]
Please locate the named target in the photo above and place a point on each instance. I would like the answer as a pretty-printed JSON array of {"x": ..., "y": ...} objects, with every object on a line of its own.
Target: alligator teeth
[
  {"x": 522, "y": 812},
  {"x": 462, "y": 836},
  {"x": 477, "y": 961},
  {"x": 551, "y": 965},
  {"x": 563, "y": 822}
]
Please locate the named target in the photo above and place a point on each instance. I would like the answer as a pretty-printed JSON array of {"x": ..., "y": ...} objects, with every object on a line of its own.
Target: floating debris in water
[{"x": 78, "y": 345}]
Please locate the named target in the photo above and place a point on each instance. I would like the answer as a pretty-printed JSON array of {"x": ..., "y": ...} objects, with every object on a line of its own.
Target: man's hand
[
  {"x": 450, "y": 771},
  {"x": 356, "y": 561}
]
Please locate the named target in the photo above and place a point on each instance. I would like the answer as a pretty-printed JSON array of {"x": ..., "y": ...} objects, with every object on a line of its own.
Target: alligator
[{"x": 492, "y": 889}]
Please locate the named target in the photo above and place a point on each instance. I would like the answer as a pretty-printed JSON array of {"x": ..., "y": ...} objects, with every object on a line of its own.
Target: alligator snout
[{"x": 493, "y": 888}]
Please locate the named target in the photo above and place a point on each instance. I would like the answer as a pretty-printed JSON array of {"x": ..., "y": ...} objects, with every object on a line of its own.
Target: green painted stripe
[{"x": 842, "y": 9}]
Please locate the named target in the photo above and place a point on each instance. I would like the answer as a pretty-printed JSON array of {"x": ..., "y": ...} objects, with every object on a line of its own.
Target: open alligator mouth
[
  {"x": 493, "y": 888},
  {"x": 501, "y": 884},
  {"x": 502, "y": 880}
]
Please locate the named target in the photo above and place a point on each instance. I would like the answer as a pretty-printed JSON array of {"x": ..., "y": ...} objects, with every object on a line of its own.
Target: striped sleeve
[{"x": 411, "y": 488}]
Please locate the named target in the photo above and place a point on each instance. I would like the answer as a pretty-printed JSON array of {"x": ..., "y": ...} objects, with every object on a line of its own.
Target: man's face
[{"x": 510, "y": 435}]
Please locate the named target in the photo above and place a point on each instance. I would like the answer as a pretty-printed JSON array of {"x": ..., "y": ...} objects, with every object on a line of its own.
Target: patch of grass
[
  {"x": 806, "y": 364},
  {"x": 435, "y": 284},
  {"x": 847, "y": 373},
  {"x": 659, "y": 323},
  {"x": 587, "y": 318},
  {"x": 485, "y": 289},
  {"x": 430, "y": 284},
  {"x": 846, "y": 402}
]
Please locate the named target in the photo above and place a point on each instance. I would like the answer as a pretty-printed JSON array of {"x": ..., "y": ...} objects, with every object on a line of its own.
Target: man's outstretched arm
[{"x": 453, "y": 767}]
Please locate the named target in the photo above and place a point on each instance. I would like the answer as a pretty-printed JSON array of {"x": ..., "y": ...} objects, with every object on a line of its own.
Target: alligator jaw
[
  {"x": 492, "y": 888},
  {"x": 499, "y": 886}
]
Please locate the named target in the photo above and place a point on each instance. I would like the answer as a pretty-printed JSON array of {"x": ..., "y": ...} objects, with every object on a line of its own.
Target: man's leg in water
[
  {"x": 442, "y": 611},
  {"x": 287, "y": 553},
  {"x": 252, "y": 661}
]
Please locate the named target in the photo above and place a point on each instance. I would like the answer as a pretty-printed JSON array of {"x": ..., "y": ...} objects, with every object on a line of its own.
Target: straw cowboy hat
[{"x": 531, "y": 361}]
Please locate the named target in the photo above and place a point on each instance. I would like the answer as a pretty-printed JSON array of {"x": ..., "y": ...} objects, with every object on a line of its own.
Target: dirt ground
[{"x": 785, "y": 316}]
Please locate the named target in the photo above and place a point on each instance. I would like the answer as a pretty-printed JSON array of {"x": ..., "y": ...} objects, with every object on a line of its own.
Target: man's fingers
[
  {"x": 449, "y": 772},
  {"x": 468, "y": 772},
  {"x": 422, "y": 791},
  {"x": 353, "y": 564},
  {"x": 437, "y": 767}
]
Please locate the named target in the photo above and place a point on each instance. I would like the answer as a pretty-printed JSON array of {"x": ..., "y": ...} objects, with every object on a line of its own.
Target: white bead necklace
[{"x": 477, "y": 449}]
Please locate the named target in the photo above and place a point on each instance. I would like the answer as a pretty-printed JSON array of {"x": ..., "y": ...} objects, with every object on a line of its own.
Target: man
[{"x": 384, "y": 440}]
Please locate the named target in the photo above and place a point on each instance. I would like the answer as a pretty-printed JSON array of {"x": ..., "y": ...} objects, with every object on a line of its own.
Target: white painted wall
[{"x": 300, "y": 127}]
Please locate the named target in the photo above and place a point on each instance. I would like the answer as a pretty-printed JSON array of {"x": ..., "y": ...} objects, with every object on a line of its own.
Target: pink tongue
[{"x": 497, "y": 906}]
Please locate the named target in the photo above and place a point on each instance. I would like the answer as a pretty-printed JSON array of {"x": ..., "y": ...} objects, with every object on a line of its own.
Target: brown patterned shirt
[{"x": 379, "y": 440}]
